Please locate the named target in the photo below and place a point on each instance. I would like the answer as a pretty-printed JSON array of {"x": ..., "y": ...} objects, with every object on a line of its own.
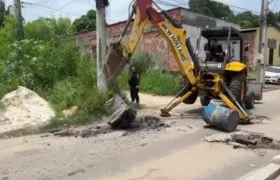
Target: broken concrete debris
[
  {"x": 140, "y": 123},
  {"x": 221, "y": 137},
  {"x": 245, "y": 140},
  {"x": 123, "y": 117},
  {"x": 121, "y": 113}
]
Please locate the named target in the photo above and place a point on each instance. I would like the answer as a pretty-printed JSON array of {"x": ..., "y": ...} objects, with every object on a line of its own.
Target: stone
[
  {"x": 236, "y": 145},
  {"x": 221, "y": 137},
  {"x": 71, "y": 111},
  {"x": 243, "y": 138},
  {"x": 276, "y": 159}
]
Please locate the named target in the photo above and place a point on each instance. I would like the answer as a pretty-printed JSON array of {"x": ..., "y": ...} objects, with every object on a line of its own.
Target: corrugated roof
[{"x": 249, "y": 29}]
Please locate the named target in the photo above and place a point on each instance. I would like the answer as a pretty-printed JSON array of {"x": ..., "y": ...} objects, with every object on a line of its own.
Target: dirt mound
[
  {"x": 139, "y": 123},
  {"x": 22, "y": 108}
]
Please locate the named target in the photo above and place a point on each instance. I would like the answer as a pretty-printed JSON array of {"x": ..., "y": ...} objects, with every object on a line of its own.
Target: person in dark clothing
[
  {"x": 134, "y": 82},
  {"x": 216, "y": 51}
]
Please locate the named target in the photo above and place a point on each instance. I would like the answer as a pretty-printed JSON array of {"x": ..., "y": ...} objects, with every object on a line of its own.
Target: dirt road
[{"x": 176, "y": 152}]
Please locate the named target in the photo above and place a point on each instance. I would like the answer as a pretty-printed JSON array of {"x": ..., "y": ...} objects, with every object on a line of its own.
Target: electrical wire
[
  {"x": 238, "y": 7},
  {"x": 180, "y": 4},
  {"x": 90, "y": 3},
  {"x": 52, "y": 9},
  {"x": 36, "y": 4},
  {"x": 275, "y": 5},
  {"x": 67, "y": 5}
]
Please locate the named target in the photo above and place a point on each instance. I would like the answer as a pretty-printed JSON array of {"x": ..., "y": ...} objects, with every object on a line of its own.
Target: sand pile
[{"x": 23, "y": 108}]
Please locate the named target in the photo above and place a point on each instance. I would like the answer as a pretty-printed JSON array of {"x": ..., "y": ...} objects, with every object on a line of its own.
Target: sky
[{"x": 118, "y": 9}]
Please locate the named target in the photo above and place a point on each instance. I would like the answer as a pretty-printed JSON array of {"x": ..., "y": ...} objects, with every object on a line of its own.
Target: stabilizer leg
[{"x": 178, "y": 100}]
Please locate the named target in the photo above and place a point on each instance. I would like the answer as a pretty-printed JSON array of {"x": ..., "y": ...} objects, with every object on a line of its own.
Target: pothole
[{"x": 245, "y": 140}]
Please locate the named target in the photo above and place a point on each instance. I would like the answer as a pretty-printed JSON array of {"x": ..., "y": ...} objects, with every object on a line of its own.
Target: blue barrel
[{"x": 221, "y": 117}]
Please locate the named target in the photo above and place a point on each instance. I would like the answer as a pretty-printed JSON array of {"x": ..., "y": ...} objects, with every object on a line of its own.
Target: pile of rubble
[{"x": 139, "y": 123}]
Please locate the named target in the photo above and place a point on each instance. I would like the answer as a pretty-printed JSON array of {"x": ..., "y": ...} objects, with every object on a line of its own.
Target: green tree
[
  {"x": 211, "y": 8},
  {"x": 3, "y": 12},
  {"x": 85, "y": 22},
  {"x": 246, "y": 19}
]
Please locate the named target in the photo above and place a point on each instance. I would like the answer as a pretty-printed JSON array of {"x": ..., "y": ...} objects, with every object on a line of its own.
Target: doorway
[{"x": 271, "y": 53}]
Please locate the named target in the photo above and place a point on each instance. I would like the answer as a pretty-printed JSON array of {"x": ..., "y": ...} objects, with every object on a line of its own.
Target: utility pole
[
  {"x": 101, "y": 44},
  {"x": 18, "y": 16},
  {"x": 262, "y": 42}
]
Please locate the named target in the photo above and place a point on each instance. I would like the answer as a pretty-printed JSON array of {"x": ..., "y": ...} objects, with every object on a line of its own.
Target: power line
[
  {"x": 44, "y": 2},
  {"x": 180, "y": 3},
  {"x": 67, "y": 4},
  {"x": 52, "y": 9},
  {"x": 238, "y": 7},
  {"x": 275, "y": 5},
  {"x": 90, "y": 3}
]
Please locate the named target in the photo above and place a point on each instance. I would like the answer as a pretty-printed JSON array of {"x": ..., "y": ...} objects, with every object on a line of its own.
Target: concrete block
[
  {"x": 220, "y": 137},
  {"x": 269, "y": 172}
]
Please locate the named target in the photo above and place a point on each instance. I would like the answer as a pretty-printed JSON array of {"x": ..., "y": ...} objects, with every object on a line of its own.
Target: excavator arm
[{"x": 175, "y": 35}]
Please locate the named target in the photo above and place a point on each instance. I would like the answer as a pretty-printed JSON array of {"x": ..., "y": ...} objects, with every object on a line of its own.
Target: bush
[
  {"x": 142, "y": 61},
  {"x": 154, "y": 81},
  {"x": 49, "y": 63}
]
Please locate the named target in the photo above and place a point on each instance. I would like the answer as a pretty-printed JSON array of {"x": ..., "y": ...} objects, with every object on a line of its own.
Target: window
[{"x": 273, "y": 70}]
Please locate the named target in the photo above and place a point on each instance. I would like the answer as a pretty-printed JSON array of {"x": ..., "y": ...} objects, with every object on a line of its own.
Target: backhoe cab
[{"x": 230, "y": 64}]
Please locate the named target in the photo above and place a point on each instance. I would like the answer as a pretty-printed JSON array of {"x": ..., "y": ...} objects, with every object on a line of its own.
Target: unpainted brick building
[{"x": 152, "y": 41}]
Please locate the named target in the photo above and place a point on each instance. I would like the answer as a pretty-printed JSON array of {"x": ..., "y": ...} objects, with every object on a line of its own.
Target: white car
[{"x": 272, "y": 75}]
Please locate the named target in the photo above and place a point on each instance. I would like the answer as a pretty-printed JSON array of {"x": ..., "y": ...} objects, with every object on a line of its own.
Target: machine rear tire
[
  {"x": 204, "y": 100},
  {"x": 192, "y": 98}
]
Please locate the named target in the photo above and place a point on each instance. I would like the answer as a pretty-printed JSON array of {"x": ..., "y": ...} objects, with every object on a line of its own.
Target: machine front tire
[
  {"x": 192, "y": 98},
  {"x": 205, "y": 100},
  {"x": 235, "y": 86},
  {"x": 249, "y": 100}
]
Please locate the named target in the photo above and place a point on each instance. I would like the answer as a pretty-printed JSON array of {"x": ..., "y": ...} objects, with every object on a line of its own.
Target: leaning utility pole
[
  {"x": 262, "y": 42},
  {"x": 18, "y": 16},
  {"x": 101, "y": 44}
]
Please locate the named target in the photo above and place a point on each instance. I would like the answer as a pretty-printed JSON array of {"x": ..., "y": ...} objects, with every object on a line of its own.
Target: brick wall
[
  {"x": 249, "y": 38},
  {"x": 151, "y": 40}
]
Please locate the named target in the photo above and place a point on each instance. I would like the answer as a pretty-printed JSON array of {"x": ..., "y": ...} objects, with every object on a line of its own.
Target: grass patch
[
  {"x": 253, "y": 74},
  {"x": 154, "y": 81}
]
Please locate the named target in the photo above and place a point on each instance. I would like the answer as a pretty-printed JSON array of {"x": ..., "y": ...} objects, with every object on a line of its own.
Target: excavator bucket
[{"x": 113, "y": 65}]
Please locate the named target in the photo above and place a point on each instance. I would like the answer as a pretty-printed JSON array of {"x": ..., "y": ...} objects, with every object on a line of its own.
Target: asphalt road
[{"x": 178, "y": 152}]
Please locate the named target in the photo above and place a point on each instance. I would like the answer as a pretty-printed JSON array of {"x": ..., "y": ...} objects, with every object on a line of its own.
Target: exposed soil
[{"x": 139, "y": 123}]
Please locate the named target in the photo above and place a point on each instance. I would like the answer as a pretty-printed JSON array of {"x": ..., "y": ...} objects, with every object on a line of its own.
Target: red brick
[
  {"x": 152, "y": 41},
  {"x": 250, "y": 39}
]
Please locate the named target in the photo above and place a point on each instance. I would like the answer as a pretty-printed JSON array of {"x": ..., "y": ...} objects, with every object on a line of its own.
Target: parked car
[{"x": 272, "y": 75}]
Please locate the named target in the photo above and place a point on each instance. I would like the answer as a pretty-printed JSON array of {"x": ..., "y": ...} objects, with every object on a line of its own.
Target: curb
[{"x": 269, "y": 172}]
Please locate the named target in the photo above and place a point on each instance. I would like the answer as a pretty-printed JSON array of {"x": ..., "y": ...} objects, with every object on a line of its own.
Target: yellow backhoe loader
[{"x": 225, "y": 80}]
